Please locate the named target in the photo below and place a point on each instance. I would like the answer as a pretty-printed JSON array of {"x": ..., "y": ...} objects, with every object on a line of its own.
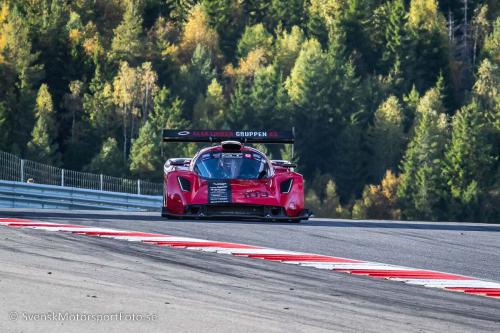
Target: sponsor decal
[
  {"x": 256, "y": 194},
  {"x": 213, "y": 133},
  {"x": 232, "y": 155},
  {"x": 251, "y": 134},
  {"x": 183, "y": 133},
  {"x": 219, "y": 191}
]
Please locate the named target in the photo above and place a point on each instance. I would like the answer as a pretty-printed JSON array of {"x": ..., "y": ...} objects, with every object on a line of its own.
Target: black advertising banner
[
  {"x": 282, "y": 137},
  {"x": 219, "y": 191}
]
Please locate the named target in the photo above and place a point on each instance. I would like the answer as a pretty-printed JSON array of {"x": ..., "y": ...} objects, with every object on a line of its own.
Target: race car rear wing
[{"x": 267, "y": 137}]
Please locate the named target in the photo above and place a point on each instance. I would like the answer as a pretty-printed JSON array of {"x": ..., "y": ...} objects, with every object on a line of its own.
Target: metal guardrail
[
  {"x": 25, "y": 195},
  {"x": 14, "y": 168}
]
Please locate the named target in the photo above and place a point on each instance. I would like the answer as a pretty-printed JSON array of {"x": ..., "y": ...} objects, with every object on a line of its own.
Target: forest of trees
[{"x": 395, "y": 103}]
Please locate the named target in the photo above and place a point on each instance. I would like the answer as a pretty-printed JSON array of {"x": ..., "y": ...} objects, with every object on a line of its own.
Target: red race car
[{"x": 231, "y": 180}]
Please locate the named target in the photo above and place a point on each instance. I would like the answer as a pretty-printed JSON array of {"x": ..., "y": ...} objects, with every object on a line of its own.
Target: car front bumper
[{"x": 240, "y": 212}]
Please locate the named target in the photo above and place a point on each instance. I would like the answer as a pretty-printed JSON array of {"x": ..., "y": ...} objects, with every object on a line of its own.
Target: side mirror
[{"x": 262, "y": 174}]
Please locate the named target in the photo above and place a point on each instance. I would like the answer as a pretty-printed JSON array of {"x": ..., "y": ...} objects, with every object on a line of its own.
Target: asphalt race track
[{"x": 187, "y": 291}]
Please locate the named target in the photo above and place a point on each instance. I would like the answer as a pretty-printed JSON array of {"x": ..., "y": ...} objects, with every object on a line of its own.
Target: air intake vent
[
  {"x": 286, "y": 185},
  {"x": 231, "y": 145},
  {"x": 184, "y": 184}
]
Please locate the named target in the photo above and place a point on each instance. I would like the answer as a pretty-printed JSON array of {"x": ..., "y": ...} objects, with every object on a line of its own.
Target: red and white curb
[{"x": 414, "y": 276}]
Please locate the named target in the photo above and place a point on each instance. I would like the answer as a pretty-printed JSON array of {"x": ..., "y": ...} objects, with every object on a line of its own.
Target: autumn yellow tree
[{"x": 197, "y": 31}]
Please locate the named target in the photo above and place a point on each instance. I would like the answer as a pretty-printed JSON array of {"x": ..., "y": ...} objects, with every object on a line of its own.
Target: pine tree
[
  {"x": 411, "y": 102},
  {"x": 491, "y": 48},
  {"x": 285, "y": 13},
  {"x": 486, "y": 89},
  {"x": 109, "y": 160},
  {"x": 395, "y": 34},
  {"x": 255, "y": 37},
  {"x": 422, "y": 190},
  {"x": 42, "y": 147},
  {"x": 428, "y": 52},
  {"x": 263, "y": 109},
  {"x": 240, "y": 104},
  {"x": 196, "y": 77},
  {"x": 209, "y": 109},
  {"x": 386, "y": 138},
  {"x": 145, "y": 154},
  {"x": 167, "y": 111},
  {"x": 287, "y": 49},
  {"x": 308, "y": 87},
  {"x": 98, "y": 106},
  {"x": 487, "y": 95},
  {"x": 168, "y": 114},
  {"x": 227, "y": 17},
  {"x": 323, "y": 18},
  {"x": 468, "y": 164},
  {"x": 179, "y": 9},
  {"x": 127, "y": 40},
  {"x": 19, "y": 73},
  {"x": 349, "y": 160}
]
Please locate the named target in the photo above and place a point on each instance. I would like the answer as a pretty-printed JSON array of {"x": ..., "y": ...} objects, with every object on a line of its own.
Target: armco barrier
[{"x": 27, "y": 195}]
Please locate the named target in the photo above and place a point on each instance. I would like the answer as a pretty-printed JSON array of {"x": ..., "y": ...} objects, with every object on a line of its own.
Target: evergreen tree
[
  {"x": 98, "y": 106},
  {"x": 428, "y": 52},
  {"x": 266, "y": 104},
  {"x": 422, "y": 191},
  {"x": 287, "y": 49},
  {"x": 209, "y": 109},
  {"x": 240, "y": 104},
  {"x": 285, "y": 14},
  {"x": 42, "y": 147},
  {"x": 308, "y": 87},
  {"x": 468, "y": 164},
  {"x": 179, "y": 9},
  {"x": 167, "y": 111},
  {"x": 411, "y": 103},
  {"x": 350, "y": 161},
  {"x": 491, "y": 47},
  {"x": 386, "y": 138},
  {"x": 255, "y": 37},
  {"x": 145, "y": 153},
  {"x": 394, "y": 34},
  {"x": 109, "y": 160},
  {"x": 227, "y": 17},
  {"x": 127, "y": 40},
  {"x": 196, "y": 77},
  {"x": 486, "y": 89},
  {"x": 19, "y": 73}
]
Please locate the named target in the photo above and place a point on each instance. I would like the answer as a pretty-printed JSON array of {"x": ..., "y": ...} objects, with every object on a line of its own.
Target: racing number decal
[{"x": 256, "y": 194}]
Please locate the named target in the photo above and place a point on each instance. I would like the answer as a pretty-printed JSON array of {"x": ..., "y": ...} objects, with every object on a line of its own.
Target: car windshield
[{"x": 245, "y": 165}]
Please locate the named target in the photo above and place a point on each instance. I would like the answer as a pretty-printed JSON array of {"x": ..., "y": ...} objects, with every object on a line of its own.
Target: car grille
[{"x": 234, "y": 210}]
